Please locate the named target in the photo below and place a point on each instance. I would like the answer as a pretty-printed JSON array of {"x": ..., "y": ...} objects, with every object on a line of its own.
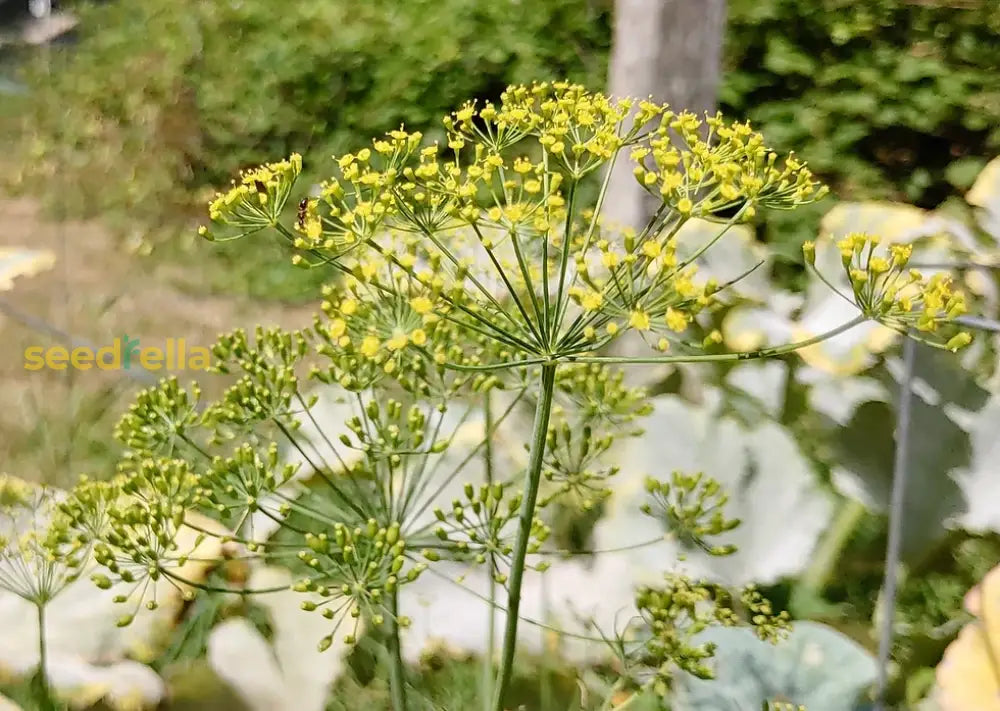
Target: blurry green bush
[
  {"x": 892, "y": 99},
  {"x": 160, "y": 98}
]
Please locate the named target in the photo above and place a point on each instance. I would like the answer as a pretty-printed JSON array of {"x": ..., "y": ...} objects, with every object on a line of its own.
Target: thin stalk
[
  {"x": 487, "y": 679},
  {"x": 727, "y": 357},
  {"x": 531, "y": 481},
  {"x": 544, "y": 673},
  {"x": 894, "y": 546},
  {"x": 824, "y": 559},
  {"x": 397, "y": 672},
  {"x": 42, "y": 677}
]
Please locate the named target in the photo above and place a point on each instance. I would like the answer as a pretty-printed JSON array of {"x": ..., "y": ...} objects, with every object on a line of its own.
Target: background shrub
[
  {"x": 894, "y": 99},
  {"x": 159, "y": 99}
]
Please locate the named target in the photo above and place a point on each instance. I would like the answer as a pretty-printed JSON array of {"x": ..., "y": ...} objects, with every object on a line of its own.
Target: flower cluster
[
  {"x": 903, "y": 299},
  {"x": 356, "y": 572},
  {"x": 463, "y": 275},
  {"x": 477, "y": 528},
  {"x": 730, "y": 169},
  {"x": 673, "y": 614},
  {"x": 39, "y": 553},
  {"x": 691, "y": 508},
  {"x": 594, "y": 408},
  {"x": 500, "y": 245},
  {"x": 256, "y": 201}
]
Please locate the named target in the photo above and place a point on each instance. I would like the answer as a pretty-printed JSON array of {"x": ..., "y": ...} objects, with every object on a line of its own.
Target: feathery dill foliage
[{"x": 468, "y": 278}]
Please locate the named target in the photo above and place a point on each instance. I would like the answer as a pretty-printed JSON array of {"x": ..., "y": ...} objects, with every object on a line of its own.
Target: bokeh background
[{"x": 120, "y": 119}]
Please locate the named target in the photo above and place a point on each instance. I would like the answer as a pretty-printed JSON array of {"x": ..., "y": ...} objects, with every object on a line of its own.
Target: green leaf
[
  {"x": 754, "y": 464},
  {"x": 816, "y": 666},
  {"x": 783, "y": 57},
  {"x": 962, "y": 173}
]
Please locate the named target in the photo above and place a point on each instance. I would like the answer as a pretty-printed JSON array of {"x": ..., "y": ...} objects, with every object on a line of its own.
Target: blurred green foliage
[
  {"x": 894, "y": 99},
  {"x": 161, "y": 101}
]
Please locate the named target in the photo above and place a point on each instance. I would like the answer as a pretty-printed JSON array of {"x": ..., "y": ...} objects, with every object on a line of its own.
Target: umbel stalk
[{"x": 531, "y": 481}]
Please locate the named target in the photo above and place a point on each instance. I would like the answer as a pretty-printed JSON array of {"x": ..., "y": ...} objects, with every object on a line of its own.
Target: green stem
[
  {"x": 727, "y": 357},
  {"x": 530, "y": 496},
  {"x": 824, "y": 559},
  {"x": 487, "y": 680},
  {"x": 44, "y": 699},
  {"x": 397, "y": 673}
]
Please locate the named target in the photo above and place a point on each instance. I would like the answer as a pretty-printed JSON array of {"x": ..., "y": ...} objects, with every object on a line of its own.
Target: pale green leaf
[{"x": 816, "y": 666}]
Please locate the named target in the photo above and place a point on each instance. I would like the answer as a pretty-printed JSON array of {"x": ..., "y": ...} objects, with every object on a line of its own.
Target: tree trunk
[{"x": 670, "y": 50}]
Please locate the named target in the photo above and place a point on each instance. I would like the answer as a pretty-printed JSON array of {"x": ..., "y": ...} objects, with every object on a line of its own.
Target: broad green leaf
[
  {"x": 985, "y": 194},
  {"x": 288, "y": 674},
  {"x": 864, "y": 456},
  {"x": 962, "y": 173},
  {"x": 816, "y": 666},
  {"x": 753, "y": 465}
]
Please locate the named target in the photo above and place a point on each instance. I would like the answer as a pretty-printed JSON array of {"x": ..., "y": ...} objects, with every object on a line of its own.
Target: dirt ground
[{"x": 55, "y": 425}]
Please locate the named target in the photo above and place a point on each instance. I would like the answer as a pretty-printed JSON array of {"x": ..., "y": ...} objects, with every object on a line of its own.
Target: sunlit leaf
[
  {"x": 985, "y": 194},
  {"x": 816, "y": 666},
  {"x": 895, "y": 222},
  {"x": 754, "y": 465},
  {"x": 288, "y": 674},
  {"x": 968, "y": 678}
]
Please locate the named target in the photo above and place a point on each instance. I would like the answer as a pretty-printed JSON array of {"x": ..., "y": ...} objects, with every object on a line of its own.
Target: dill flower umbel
[
  {"x": 256, "y": 201},
  {"x": 900, "y": 298},
  {"x": 539, "y": 277},
  {"x": 464, "y": 274},
  {"x": 39, "y": 552}
]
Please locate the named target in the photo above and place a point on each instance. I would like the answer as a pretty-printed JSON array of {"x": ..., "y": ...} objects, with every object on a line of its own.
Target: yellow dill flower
[
  {"x": 671, "y": 181},
  {"x": 900, "y": 254},
  {"x": 809, "y": 251},
  {"x": 348, "y": 307},
  {"x": 369, "y": 346},
  {"x": 421, "y": 304},
  {"x": 591, "y": 301},
  {"x": 677, "y": 321},
  {"x": 878, "y": 265},
  {"x": 651, "y": 249},
  {"x": 959, "y": 341},
  {"x": 639, "y": 320},
  {"x": 314, "y": 229},
  {"x": 338, "y": 327},
  {"x": 419, "y": 337},
  {"x": 398, "y": 342}
]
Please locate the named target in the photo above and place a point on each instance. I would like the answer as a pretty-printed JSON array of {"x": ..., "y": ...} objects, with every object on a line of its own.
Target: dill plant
[{"x": 470, "y": 277}]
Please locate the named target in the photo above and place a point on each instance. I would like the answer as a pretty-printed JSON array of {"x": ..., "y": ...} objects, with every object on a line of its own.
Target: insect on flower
[{"x": 303, "y": 208}]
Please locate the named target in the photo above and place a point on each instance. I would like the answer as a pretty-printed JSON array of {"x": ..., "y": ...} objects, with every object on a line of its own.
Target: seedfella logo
[{"x": 122, "y": 354}]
